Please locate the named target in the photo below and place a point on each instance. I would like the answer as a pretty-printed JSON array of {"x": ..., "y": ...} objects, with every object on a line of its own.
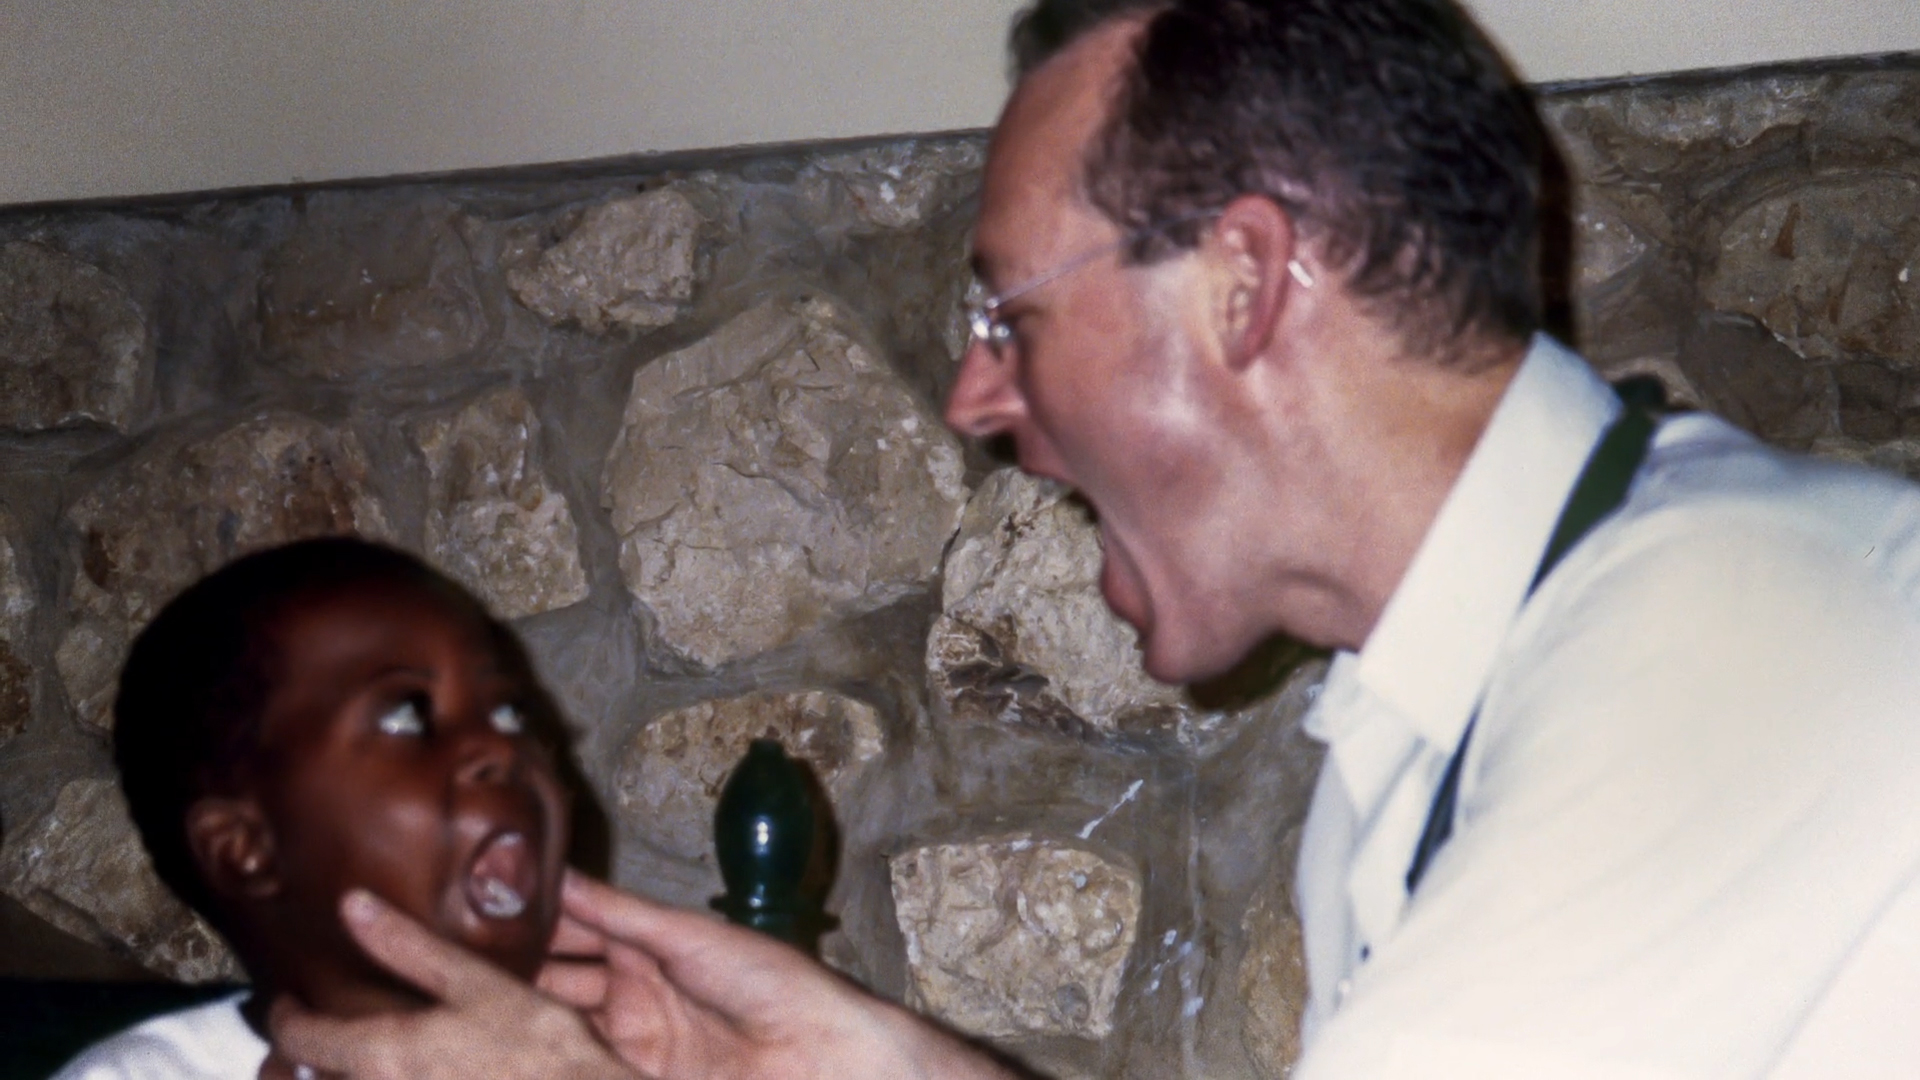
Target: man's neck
[{"x": 1402, "y": 428}]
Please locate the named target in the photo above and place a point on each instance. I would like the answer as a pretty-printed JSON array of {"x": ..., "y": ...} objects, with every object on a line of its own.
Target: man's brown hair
[{"x": 1391, "y": 130}]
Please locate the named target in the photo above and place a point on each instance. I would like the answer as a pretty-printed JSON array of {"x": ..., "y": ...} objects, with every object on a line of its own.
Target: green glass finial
[{"x": 767, "y": 839}]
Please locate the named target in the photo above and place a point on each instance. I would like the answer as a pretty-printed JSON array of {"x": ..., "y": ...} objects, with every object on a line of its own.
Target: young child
[{"x": 319, "y": 717}]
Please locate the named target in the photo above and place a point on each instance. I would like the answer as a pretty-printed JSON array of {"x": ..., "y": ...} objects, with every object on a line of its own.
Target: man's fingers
[
  {"x": 440, "y": 968},
  {"x": 718, "y": 965},
  {"x": 581, "y": 985},
  {"x": 621, "y": 916},
  {"x": 575, "y": 938},
  {"x": 307, "y": 1038}
]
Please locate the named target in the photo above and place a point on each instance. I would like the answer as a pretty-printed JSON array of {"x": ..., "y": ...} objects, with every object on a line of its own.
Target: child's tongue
[{"x": 502, "y": 876}]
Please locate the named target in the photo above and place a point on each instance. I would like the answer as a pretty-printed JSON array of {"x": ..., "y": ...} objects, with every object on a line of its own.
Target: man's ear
[
  {"x": 1256, "y": 247},
  {"x": 233, "y": 844}
]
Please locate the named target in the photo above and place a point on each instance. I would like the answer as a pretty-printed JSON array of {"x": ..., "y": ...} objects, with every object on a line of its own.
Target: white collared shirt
[
  {"x": 1695, "y": 780},
  {"x": 204, "y": 1042}
]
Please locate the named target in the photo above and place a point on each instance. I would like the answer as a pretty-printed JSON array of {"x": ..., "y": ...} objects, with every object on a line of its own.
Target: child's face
[{"x": 397, "y": 757}]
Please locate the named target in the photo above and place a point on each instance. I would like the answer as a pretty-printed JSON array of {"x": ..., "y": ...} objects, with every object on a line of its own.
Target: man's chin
[
  {"x": 1199, "y": 660},
  {"x": 1170, "y": 676},
  {"x": 1178, "y": 670},
  {"x": 1166, "y": 664}
]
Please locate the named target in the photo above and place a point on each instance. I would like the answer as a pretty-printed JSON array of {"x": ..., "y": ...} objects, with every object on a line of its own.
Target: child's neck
[{"x": 329, "y": 993}]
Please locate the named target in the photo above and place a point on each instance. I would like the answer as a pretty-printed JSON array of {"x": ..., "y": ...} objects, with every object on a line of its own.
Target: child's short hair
[{"x": 187, "y": 718}]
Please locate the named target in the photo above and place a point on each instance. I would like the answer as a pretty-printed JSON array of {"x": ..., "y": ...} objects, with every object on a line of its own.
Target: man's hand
[
  {"x": 486, "y": 1023},
  {"x": 684, "y": 997}
]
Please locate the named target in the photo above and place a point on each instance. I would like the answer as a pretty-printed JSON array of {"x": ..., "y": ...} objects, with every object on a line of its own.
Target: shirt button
[{"x": 1341, "y": 991}]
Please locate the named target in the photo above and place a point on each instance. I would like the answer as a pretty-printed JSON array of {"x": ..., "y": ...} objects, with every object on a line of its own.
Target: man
[{"x": 1265, "y": 294}]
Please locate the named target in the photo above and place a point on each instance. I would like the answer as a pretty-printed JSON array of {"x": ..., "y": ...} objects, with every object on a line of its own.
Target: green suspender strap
[{"x": 1601, "y": 489}]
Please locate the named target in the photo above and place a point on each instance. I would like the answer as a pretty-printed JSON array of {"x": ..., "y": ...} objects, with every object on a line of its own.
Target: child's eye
[
  {"x": 403, "y": 719},
  {"x": 506, "y": 720}
]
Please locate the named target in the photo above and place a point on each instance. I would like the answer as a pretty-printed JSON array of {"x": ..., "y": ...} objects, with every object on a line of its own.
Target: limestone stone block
[
  {"x": 1901, "y": 456},
  {"x": 1026, "y": 638},
  {"x": 1659, "y": 130},
  {"x": 81, "y": 867},
  {"x": 185, "y": 506},
  {"x": 1605, "y": 243},
  {"x": 1872, "y": 399},
  {"x": 16, "y": 607},
  {"x": 493, "y": 520},
  {"x": 365, "y": 286},
  {"x": 16, "y": 692},
  {"x": 74, "y": 345},
  {"x": 629, "y": 264},
  {"x": 772, "y": 475},
  {"x": 671, "y": 772},
  {"x": 1273, "y": 984},
  {"x": 1728, "y": 115},
  {"x": 1016, "y": 936},
  {"x": 1831, "y": 265},
  {"x": 895, "y": 186},
  {"x": 1753, "y": 379},
  {"x": 1879, "y": 108}
]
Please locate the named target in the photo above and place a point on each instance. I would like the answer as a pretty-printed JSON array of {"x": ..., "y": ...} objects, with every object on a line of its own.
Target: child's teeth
[{"x": 498, "y": 900}]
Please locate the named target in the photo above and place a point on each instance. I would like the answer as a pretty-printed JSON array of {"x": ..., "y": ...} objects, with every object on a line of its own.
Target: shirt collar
[{"x": 1430, "y": 654}]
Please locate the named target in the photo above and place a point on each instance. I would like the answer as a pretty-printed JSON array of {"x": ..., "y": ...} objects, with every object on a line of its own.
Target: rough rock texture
[
  {"x": 671, "y": 772},
  {"x": 363, "y": 287},
  {"x": 629, "y": 264},
  {"x": 1273, "y": 983},
  {"x": 186, "y": 506},
  {"x": 1781, "y": 203},
  {"x": 493, "y": 520},
  {"x": 774, "y": 474},
  {"x": 892, "y": 186},
  {"x": 1606, "y": 242},
  {"x": 1016, "y": 936},
  {"x": 16, "y": 607},
  {"x": 1829, "y": 267},
  {"x": 1895, "y": 455},
  {"x": 1025, "y": 637},
  {"x": 74, "y": 345},
  {"x": 1875, "y": 402},
  {"x": 1672, "y": 128},
  {"x": 1250, "y": 805},
  {"x": 81, "y": 867},
  {"x": 1755, "y": 380}
]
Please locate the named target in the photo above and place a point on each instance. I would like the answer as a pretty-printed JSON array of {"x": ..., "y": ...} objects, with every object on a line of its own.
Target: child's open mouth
[{"x": 504, "y": 873}]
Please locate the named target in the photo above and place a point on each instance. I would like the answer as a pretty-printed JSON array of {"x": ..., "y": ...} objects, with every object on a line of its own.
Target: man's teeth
[{"x": 498, "y": 900}]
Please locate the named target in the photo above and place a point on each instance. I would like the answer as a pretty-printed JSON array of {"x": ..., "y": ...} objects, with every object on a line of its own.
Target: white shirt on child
[{"x": 206, "y": 1042}]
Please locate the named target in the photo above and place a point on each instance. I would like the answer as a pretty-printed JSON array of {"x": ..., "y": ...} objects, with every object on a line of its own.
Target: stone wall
[{"x": 680, "y": 425}]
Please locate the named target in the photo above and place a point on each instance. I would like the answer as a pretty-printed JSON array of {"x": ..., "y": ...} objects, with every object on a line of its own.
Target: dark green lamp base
[{"x": 769, "y": 833}]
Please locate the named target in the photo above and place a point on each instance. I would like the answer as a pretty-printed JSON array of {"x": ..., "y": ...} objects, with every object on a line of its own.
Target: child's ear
[{"x": 234, "y": 846}]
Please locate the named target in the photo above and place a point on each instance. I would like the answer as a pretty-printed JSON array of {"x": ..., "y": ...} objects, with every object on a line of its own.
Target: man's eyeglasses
[{"x": 983, "y": 317}]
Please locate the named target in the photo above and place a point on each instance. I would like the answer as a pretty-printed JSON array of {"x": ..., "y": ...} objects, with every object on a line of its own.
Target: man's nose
[{"x": 984, "y": 399}]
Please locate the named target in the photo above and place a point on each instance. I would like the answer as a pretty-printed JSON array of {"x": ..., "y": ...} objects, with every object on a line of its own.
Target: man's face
[
  {"x": 1101, "y": 387},
  {"x": 397, "y": 759}
]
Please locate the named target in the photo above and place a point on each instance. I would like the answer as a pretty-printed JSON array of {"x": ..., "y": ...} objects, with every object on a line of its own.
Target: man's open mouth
[{"x": 503, "y": 875}]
